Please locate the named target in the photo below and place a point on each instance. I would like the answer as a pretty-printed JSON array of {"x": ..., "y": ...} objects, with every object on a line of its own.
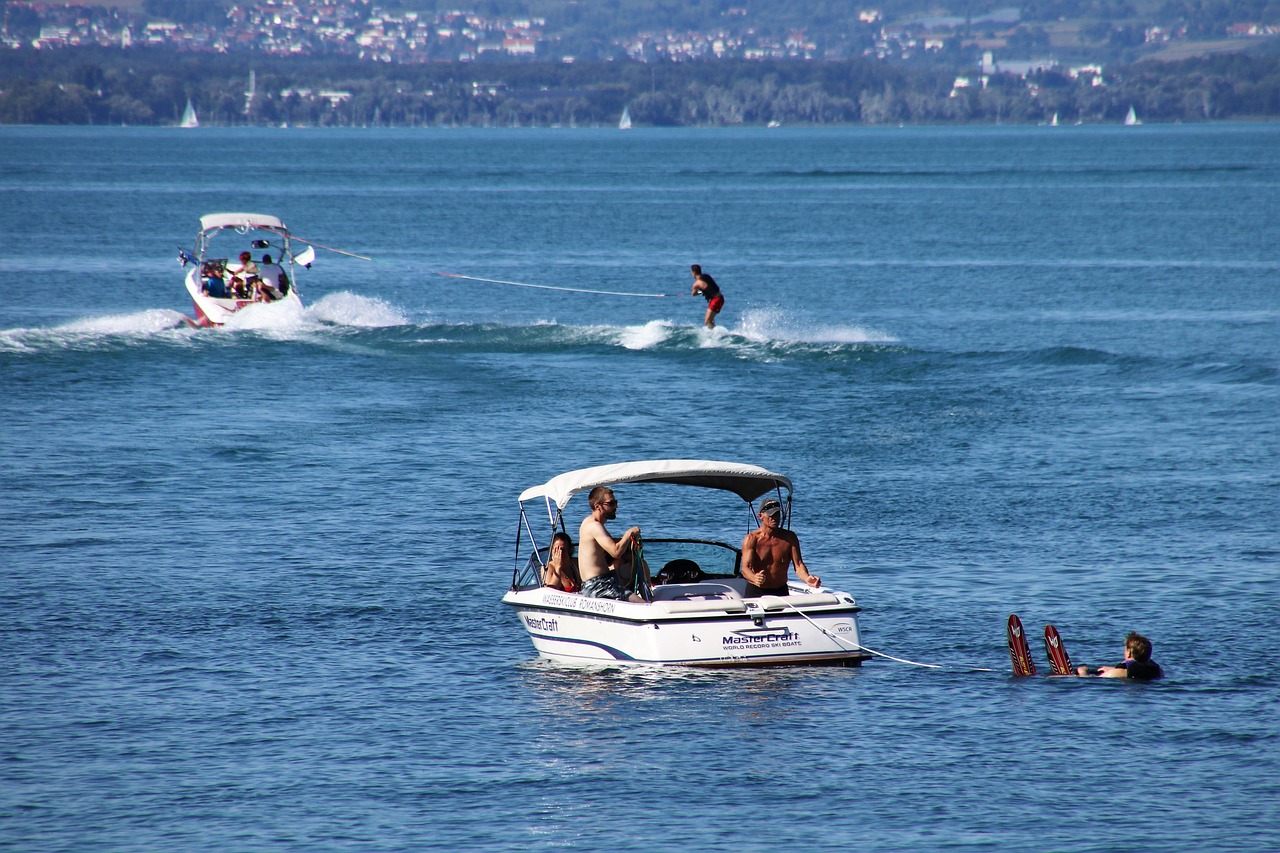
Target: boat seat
[
  {"x": 800, "y": 601},
  {"x": 695, "y": 592},
  {"x": 720, "y": 605}
]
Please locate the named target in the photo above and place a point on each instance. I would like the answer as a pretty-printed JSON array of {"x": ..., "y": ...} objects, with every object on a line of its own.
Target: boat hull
[
  {"x": 694, "y": 629},
  {"x": 214, "y": 311}
]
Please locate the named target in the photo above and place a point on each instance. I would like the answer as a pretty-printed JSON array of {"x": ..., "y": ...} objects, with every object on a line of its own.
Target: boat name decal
[
  {"x": 578, "y": 602},
  {"x": 536, "y": 623},
  {"x": 785, "y": 637}
]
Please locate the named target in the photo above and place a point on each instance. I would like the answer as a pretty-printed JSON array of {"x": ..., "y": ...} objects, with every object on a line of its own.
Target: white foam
[
  {"x": 141, "y": 323},
  {"x": 335, "y": 309},
  {"x": 93, "y": 331},
  {"x": 282, "y": 316},
  {"x": 771, "y": 325},
  {"x": 647, "y": 336},
  {"x": 348, "y": 309}
]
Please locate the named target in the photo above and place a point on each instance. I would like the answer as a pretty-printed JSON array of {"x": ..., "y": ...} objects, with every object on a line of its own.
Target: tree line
[{"x": 152, "y": 86}]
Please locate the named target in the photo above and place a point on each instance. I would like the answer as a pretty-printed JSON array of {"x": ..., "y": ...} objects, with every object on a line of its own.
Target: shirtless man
[
  {"x": 768, "y": 551},
  {"x": 599, "y": 554},
  {"x": 706, "y": 286}
]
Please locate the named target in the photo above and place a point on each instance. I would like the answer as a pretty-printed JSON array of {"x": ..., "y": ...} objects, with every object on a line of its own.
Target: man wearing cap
[{"x": 768, "y": 551}]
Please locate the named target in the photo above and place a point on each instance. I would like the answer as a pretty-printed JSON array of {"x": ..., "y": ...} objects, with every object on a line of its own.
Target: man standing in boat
[
  {"x": 767, "y": 553},
  {"x": 706, "y": 286},
  {"x": 599, "y": 554}
]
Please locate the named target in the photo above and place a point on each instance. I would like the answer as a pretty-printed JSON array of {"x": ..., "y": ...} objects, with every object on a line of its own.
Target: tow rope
[
  {"x": 860, "y": 647},
  {"x": 552, "y": 287}
]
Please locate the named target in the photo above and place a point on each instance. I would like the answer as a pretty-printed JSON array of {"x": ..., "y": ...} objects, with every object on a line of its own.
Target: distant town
[
  {"x": 360, "y": 62},
  {"x": 366, "y": 31}
]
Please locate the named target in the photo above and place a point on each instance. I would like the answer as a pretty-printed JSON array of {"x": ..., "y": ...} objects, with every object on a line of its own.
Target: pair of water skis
[{"x": 1020, "y": 652}]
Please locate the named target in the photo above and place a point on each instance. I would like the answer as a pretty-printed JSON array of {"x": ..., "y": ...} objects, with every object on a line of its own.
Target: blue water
[{"x": 250, "y": 577}]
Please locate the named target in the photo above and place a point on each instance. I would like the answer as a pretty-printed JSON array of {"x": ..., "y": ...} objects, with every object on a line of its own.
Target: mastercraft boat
[
  {"x": 253, "y": 266},
  {"x": 695, "y": 613}
]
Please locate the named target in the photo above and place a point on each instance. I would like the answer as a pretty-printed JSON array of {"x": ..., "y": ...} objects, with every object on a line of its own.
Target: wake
[
  {"x": 758, "y": 334},
  {"x": 335, "y": 311}
]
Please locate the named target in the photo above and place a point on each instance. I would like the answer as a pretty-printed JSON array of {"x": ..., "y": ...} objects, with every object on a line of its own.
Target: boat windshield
[{"x": 670, "y": 561}]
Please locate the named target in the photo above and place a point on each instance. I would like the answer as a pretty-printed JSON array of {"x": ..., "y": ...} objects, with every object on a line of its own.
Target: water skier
[{"x": 705, "y": 285}]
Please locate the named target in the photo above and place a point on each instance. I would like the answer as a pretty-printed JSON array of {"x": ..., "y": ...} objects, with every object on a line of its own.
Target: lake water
[{"x": 251, "y": 577}]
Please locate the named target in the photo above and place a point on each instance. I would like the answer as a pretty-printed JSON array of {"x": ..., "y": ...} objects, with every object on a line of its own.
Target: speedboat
[
  {"x": 255, "y": 267},
  {"x": 694, "y": 613}
]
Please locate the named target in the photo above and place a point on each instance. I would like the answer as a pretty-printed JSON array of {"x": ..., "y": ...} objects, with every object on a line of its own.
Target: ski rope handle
[{"x": 638, "y": 584}]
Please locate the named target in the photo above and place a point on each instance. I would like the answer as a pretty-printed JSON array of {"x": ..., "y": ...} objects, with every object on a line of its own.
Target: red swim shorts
[{"x": 716, "y": 303}]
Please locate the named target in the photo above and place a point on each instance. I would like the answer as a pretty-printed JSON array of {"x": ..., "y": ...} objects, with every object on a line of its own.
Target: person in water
[
  {"x": 705, "y": 285},
  {"x": 768, "y": 552},
  {"x": 600, "y": 555},
  {"x": 1137, "y": 663},
  {"x": 561, "y": 570}
]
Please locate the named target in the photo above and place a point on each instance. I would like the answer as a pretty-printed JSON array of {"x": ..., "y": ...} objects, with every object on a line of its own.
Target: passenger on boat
[
  {"x": 1137, "y": 663},
  {"x": 561, "y": 570},
  {"x": 768, "y": 552},
  {"x": 269, "y": 288},
  {"x": 600, "y": 555},
  {"x": 212, "y": 284},
  {"x": 241, "y": 274},
  {"x": 705, "y": 285}
]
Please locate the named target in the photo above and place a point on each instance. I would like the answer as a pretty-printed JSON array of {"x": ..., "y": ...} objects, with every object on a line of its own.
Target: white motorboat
[
  {"x": 221, "y": 284},
  {"x": 695, "y": 613}
]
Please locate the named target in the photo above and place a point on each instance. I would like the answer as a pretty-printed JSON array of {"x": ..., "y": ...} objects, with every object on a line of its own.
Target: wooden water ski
[
  {"x": 1019, "y": 652},
  {"x": 1058, "y": 657}
]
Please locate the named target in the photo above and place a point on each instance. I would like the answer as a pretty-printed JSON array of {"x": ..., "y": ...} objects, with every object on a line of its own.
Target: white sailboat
[
  {"x": 625, "y": 122},
  {"x": 189, "y": 116},
  {"x": 1054, "y": 121},
  {"x": 1131, "y": 120}
]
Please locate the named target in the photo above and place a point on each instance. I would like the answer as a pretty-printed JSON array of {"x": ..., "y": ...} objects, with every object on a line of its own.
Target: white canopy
[
  {"x": 746, "y": 481},
  {"x": 211, "y": 221}
]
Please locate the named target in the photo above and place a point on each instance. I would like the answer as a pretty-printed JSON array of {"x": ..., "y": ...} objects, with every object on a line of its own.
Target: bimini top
[
  {"x": 213, "y": 221},
  {"x": 746, "y": 481}
]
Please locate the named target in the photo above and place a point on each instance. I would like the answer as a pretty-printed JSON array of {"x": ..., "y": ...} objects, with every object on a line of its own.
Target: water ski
[
  {"x": 1058, "y": 657},
  {"x": 1019, "y": 652}
]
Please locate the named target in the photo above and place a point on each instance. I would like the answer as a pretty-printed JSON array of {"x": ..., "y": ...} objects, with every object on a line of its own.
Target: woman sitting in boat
[
  {"x": 561, "y": 570},
  {"x": 242, "y": 276}
]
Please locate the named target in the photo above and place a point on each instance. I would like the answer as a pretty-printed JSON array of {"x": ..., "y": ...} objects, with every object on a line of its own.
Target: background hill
[{"x": 671, "y": 62}]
